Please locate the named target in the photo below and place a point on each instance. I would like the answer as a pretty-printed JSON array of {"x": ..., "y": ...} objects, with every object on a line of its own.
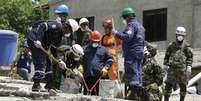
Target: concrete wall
[
  {"x": 179, "y": 12},
  {"x": 196, "y": 34}
]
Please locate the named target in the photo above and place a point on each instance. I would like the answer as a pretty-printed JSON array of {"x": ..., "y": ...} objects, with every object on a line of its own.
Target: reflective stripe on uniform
[
  {"x": 38, "y": 71},
  {"x": 50, "y": 72},
  {"x": 110, "y": 60}
]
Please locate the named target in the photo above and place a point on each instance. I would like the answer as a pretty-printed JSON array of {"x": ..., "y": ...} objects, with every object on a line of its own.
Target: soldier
[
  {"x": 177, "y": 63},
  {"x": 67, "y": 42},
  {"x": 152, "y": 75},
  {"x": 82, "y": 35},
  {"x": 72, "y": 59}
]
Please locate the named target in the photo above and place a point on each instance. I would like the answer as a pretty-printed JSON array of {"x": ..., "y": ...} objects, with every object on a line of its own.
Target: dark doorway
[{"x": 155, "y": 23}]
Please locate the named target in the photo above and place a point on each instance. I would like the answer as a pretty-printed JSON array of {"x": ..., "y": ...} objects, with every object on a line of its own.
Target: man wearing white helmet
[
  {"x": 72, "y": 58},
  {"x": 67, "y": 41},
  {"x": 83, "y": 32},
  {"x": 69, "y": 38},
  {"x": 177, "y": 64}
]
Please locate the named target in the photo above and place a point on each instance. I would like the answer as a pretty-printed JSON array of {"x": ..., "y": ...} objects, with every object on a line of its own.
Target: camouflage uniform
[
  {"x": 82, "y": 37},
  {"x": 60, "y": 74},
  {"x": 152, "y": 73},
  {"x": 178, "y": 56}
]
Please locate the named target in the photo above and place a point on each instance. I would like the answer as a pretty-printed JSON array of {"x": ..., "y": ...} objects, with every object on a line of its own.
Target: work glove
[
  {"x": 188, "y": 71},
  {"x": 68, "y": 72},
  {"x": 104, "y": 71},
  {"x": 80, "y": 69},
  {"x": 166, "y": 68},
  {"x": 77, "y": 72},
  {"x": 146, "y": 52},
  {"x": 62, "y": 65},
  {"x": 114, "y": 32},
  {"x": 38, "y": 44},
  {"x": 153, "y": 86}
]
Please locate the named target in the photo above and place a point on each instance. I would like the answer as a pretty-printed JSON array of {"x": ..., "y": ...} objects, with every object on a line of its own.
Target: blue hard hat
[
  {"x": 62, "y": 9},
  {"x": 25, "y": 45}
]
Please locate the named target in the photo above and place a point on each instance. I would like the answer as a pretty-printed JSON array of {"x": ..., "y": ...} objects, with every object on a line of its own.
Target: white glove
[
  {"x": 38, "y": 44},
  {"x": 62, "y": 65},
  {"x": 188, "y": 71},
  {"x": 166, "y": 68},
  {"x": 146, "y": 52},
  {"x": 114, "y": 31}
]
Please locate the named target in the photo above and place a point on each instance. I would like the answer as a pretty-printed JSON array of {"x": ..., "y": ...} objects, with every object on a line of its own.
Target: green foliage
[
  {"x": 16, "y": 77},
  {"x": 16, "y": 15},
  {"x": 20, "y": 42}
]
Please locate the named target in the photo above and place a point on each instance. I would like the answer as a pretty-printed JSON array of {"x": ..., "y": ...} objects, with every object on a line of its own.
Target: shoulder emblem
[
  {"x": 129, "y": 30},
  {"x": 54, "y": 26}
]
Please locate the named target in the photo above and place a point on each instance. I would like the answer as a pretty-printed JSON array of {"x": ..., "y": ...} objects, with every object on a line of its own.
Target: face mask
[
  {"x": 95, "y": 45},
  {"x": 58, "y": 19},
  {"x": 82, "y": 29},
  {"x": 77, "y": 59},
  {"x": 124, "y": 22},
  {"x": 180, "y": 38},
  {"x": 67, "y": 35}
]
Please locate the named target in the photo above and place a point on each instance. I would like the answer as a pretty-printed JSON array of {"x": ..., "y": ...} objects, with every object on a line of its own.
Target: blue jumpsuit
[
  {"x": 24, "y": 65},
  {"x": 49, "y": 33},
  {"x": 94, "y": 60},
  {"x": 133, "y": 49}
]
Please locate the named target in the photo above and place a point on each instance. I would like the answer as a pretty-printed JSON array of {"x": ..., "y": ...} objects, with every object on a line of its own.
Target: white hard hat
[
  {"x": 74, "y": 25},
  {"x": 82, "y": 20},
  {"x": 77, "y": 50},
  {"x": 180, "y": 30}
]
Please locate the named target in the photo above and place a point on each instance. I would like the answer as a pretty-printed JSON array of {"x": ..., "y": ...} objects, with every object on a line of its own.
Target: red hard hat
[
  {"x": 107, "y": 23},
  {"x": 95, "y": 36}
]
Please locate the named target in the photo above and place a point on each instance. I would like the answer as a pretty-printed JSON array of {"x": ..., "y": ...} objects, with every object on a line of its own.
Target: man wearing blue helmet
[{"x": 62, "y": 11}]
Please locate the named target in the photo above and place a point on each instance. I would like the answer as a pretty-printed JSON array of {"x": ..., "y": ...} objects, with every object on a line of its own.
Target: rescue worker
[
  {"x": 177, "y": 63},
  {"x": 152, "y": 75},
  {"x": 111, "y": 44},
  {"x": 47, "y": 34},
  {"x": 133, "y": 51},
  {"x": 66, "y": 41},
  {"x": 23, "y": 62},
  {"x": 96, "y": 63},
  {"x": 82, "y": 35},
  {"x": 69, "y": 38},
  {"x": 62, "y": 12},
  {"x": 72, "y": 60}
]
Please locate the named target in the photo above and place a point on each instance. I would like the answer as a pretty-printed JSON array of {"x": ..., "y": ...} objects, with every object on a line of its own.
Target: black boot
[
  {"x": 133, "y": 93},
  {"x": 166, "y": 97},
  {"x": 36, "y": 86},
  {"x": 182, "y": 98},
  {"x": 49, "y": 86}
]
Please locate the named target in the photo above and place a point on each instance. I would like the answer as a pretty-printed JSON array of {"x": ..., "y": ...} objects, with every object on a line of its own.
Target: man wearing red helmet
[
  {"x": 96, "y": 62},
  {"x": 112, "y": 44}
]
